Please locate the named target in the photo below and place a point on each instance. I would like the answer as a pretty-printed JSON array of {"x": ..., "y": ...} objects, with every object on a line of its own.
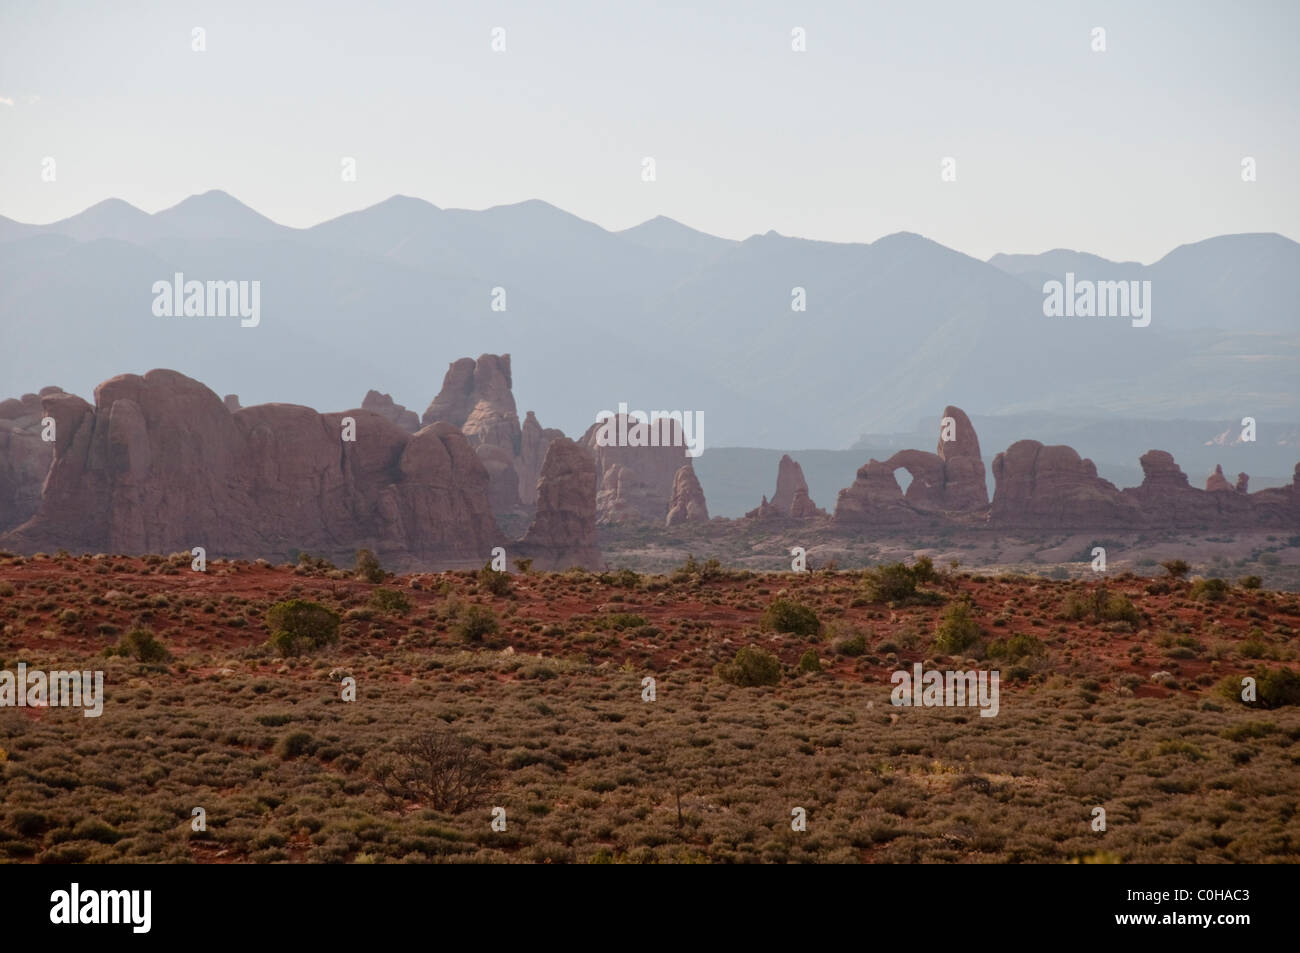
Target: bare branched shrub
[{"x": 438, "y": 769}]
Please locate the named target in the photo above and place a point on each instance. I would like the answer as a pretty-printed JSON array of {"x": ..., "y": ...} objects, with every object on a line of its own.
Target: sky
[{"x": 1125, "y": 153}]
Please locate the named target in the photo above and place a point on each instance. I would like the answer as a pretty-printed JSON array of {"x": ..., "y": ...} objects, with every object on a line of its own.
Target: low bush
[
  {"x": 1015, "y": 647},
  {"x": 957, "y": 629},
  {"x": 1210, "y": 590},
  {"x": 1278, "y": 687},
  {"x": 142, "y": 645},
  {"x": 299, "y": 626},
  {"x": 493, "y": 581},
  {"x": 1101, "y": 605},
  {"x": 784, "y": 615},
  {"x": 892, "y": 582},
  {"x": 390, "y": 600},
  {"x": 476, "y": 623},
  {"x": 751, "y": 666},
  {"x": 851, "y": 645}
]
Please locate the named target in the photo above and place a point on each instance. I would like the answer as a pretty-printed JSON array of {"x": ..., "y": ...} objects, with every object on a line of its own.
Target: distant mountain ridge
[{"x": 660, "y": 315}]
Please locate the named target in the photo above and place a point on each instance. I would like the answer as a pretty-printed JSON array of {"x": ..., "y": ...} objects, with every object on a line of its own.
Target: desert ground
[{"x": 478, "y": 690}]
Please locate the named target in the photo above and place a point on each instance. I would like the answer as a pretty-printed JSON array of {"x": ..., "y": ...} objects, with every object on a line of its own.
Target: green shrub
[
  {"x": 1249, "y": 729},
  {"x": 298, "y": 626},
  {"x": 1102, "y": 606},
  {"x": 1229, "y": 688},
  {"x": 143, "y": 646},
  {"x": 1210, "y": 590},
  {"x": 308, "y": 561},
  {"x": 497, "y": 583},
  {"x": 476, "y": 623},
  {"x": 1177, "y": 568},
  {"x": 852, "y": 646},
  {"x": 1278, "y": 687},
  {"x": 1250, "y": 582},
  {"x": 1256, "y": 647},
  {"x": 368, "y": 567},
  {"x": 897, "y": 582},
  {"x": 390, "y": 600},
  {"x": 784, "y": 615},
  {"x": 752, "y": 666},
  {"x": 1118, "y": 608},
  {"x": 892, "y": 582},
  {"x": 294, "y": 745},
  {"x": 957, "y": 629},
  {"x": 706, "y": 571},
  {"x": 1015, "y": 647},
  {"x": 809, "y": 662},
  {"x": 620, "y": 621}
]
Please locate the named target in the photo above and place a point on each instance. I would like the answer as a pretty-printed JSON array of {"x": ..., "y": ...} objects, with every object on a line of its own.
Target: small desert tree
[
  {"x": 368, "y": 567},
  {"x": 438, "y": 769}
]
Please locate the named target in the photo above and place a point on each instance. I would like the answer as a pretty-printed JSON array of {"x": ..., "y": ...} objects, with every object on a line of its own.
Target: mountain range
[{"x": 659, "y": 316}]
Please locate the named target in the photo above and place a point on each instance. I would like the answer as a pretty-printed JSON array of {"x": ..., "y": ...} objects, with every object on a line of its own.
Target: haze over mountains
[{"x": 659, "y": 316}]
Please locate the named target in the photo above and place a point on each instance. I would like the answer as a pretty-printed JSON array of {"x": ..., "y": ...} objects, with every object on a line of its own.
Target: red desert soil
[{"x": 719, "y": 613}]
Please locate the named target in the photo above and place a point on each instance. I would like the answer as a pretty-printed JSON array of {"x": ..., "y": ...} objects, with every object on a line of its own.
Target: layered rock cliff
[
  {"x": 159, "y": 464},
  {"x": 24, "y": 457},
  {"x": 635, "y": 479}
]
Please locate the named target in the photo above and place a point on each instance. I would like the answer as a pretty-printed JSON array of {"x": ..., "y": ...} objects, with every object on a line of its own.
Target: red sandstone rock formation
[
  {"x": 687, "y": 504},
  {"x": 635, "y": 483},
  {"x": 964, "y": 487},
  {"x": 789, "y": 476},
  {"x": 791, "y": 498},
  {"x": 926, "y": 491},
  {"x": 384, "y": 406},
  {"x": 563, "y": 531},
  {"x": 24, "y": 457},
  {"x": 764, "y": 511},
  {"x": 875, "y": 499},
  {"x": 533, "y": 443},
  {"x": 1166, "y": 500},
  {"x": 476, "y": 396},
  {"x": 1279, "y": 506},
  {"x": 1052, "y": 487},
  {"x": 1216, "y": 482},
  {"x": 802, "y": 507},
  {"x": 160, "y": 465},
  {"x": 950, "y": 481},
  {"x": 232, "y": 403},
  {"x": 1243, "y": 480}
]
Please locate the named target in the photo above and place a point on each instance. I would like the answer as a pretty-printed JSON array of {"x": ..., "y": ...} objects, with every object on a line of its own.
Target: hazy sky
[{"x": 1125, "y": 153}]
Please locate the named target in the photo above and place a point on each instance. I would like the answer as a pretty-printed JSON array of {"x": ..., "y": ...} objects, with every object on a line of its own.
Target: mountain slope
[{"x": 660, "y": 316}]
